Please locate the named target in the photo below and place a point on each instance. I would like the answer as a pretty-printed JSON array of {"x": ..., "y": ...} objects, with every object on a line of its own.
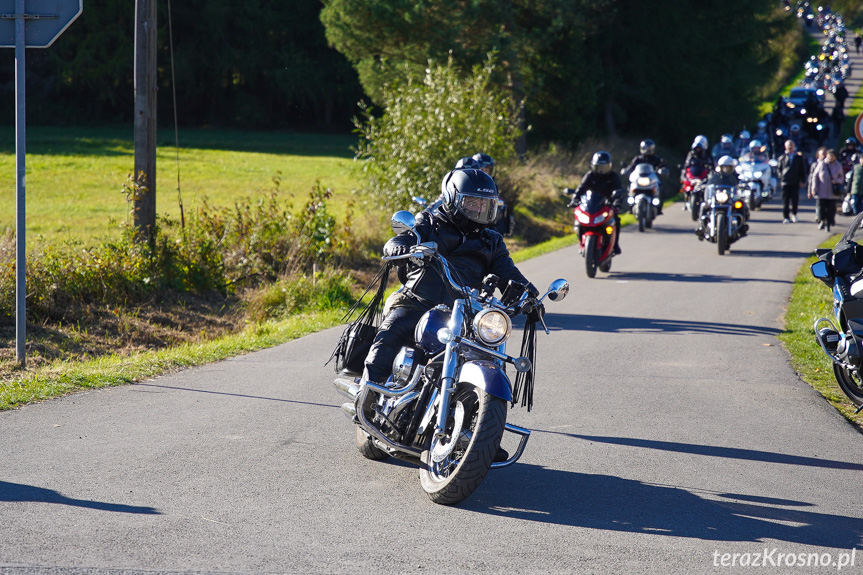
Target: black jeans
[
  {"x": 396, "y": 330},
  {"x": 827, "y": 211},
  {"x": 790, "y": 198}
]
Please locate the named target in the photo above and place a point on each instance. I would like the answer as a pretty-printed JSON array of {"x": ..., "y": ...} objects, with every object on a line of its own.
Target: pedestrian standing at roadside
[
  {"x": 840, "y": 95},
  {"x": 792, "y": 176},
  {"x": 837, "y": 117},
  {"x": 855, "y": 186},
  {"x": 819, "y": 157},
  {"x": 857, "y": 41},
  {"x": 825, "y": 174}
]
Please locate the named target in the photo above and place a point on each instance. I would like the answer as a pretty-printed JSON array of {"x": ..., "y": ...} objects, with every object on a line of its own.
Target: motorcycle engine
[{"x": 848, "y": 350}]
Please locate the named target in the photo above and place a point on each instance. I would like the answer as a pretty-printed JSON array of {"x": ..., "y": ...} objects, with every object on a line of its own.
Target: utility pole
[{"x": 144, "y": 207}]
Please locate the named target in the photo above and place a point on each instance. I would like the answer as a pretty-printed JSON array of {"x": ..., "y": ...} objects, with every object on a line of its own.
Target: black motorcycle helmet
[
  {"x": 647, "y": 147},
  {"x": 466, "y": 163},
  {"x": 851, "y": 144},
  {"x": 485, "y": 163},
  {"x": 601, "y": 162},
  {"x": 469, "y": 199}
]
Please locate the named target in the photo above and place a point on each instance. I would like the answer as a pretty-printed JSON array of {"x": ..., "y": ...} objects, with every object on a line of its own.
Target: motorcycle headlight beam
[
  {"x": 721, "y": 197},
  {"x": 492, "y": 326}
]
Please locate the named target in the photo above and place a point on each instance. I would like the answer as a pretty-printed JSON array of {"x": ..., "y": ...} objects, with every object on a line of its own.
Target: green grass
[
  {"x": 75, "y": 175},
  {"x": 810, "y": 300},
  {"x": 63, "y": 378}
]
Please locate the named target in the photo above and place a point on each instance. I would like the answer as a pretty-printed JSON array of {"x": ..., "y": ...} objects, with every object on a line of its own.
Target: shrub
[{"x": 426, "y": 127}]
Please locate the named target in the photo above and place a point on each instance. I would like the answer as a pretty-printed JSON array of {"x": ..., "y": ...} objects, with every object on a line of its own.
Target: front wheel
[
  {"x": 694, "y": 205},
  {"x": 590, "y": 256},
  {"x": 721, "y": 234},
  {"x": 455, "y": 465},
  {"x": 850, "y": 383}
]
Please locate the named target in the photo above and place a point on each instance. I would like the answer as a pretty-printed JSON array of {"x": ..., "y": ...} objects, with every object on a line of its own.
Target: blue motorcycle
[
  {"x": 841, "y": 269},
  {"x": 445, "y": 404}
]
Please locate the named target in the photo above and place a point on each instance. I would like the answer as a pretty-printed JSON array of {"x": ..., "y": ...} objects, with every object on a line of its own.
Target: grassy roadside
[
  {"x": 810, "y": 300},
  {"x": 62, "y": 378}
]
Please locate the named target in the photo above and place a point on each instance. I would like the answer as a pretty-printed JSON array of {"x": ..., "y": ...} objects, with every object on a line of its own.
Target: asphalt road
[{"x": 669, "y": 430}]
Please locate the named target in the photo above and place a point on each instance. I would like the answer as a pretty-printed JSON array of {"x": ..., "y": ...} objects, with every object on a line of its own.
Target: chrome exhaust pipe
[
  {"x": 347, "y": 387},
  {"x": 350, "y": 411}
]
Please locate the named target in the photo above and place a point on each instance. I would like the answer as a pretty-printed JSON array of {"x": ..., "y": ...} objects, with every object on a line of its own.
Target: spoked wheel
[
  {"x": 367, "y": 446},
  {"x": 721, "y": 234},
  {"x": 851, "y": 383},
  {"x": 590, "y": 256},
  {"x": 455, "y": 465}
]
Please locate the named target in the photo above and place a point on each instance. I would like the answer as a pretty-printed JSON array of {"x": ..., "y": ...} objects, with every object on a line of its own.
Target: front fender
[{"x": 488, "y": 376}]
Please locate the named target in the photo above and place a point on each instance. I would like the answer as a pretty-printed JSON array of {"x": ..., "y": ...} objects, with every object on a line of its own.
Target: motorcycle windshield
[
  {"x": 591, "y": 201},
  {"x": 854, "y": 233}
]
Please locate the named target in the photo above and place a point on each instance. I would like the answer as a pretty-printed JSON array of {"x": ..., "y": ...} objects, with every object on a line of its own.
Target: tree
[{"x": 427, "y": 125}]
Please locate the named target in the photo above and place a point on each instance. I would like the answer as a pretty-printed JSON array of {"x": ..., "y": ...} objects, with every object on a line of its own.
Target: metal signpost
[{"x": 28, "y": 24}]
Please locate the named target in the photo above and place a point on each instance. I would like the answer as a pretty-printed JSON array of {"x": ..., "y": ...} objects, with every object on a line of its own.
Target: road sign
[
  {"x": 857, "y": 126},
  {"x": 27, "y": 24},
  {"x": 44, "y": 21}
]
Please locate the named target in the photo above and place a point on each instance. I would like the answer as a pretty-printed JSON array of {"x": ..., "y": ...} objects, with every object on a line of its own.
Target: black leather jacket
[
  {"x": 651, "y": 159},
  {"x": 471, "y": 257},
  {"x": 606, "y": 184}
]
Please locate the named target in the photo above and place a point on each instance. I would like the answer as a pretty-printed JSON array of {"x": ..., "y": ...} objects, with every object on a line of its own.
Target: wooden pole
[{"x": 144, "y": 208}]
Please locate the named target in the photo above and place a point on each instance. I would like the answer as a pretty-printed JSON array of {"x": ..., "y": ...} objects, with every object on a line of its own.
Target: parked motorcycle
[
  {"x": 445, "y": 404},
  {"x": 723, "y": 216},
  {"x": 841, "y": 269},
  {"x": 644, "y": 195},
  {"x": 692, "y": 189},
  {"x": 595, "y": 225}
]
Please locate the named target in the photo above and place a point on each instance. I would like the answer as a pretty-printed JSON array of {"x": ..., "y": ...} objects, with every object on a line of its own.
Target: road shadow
[
  {"x": 211, "y": 392},
  {"x": 19, "y": 493},
  {"x": 686, "y": 277},
  {"x": 714, "y": 451},
  {"x": 615, "y": 324},
  {"x": 535, "y": 493},
  {"x": 769, "y": 254}
]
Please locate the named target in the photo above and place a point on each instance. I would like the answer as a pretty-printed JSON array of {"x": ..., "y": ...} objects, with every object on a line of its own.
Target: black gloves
[
  {"x": 531, "y": 290},
  {"x": 393, "y": 249},
  {"x": 536, "y": 313}
]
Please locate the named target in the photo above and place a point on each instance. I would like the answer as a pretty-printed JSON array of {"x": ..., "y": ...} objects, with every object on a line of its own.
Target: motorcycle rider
[
  {"x": 848, "y": 155},
  {"x": 791, "y": 172},
  {"x": 485, "y": 162},
  {"x": 795, "y": 134},
  {"x": 723, "y": 176},
  {"x": 725, "y": 147},
  {"x": 742, "y": 143},
  {"x": 647, "y": 155},
  {"x": 761, "y": 133},
  {"x": 698, "y": 157},
  {"x": 756, "y": 153},
  {"x": 459, "y": 226},
  {"x": 603, "y": 180},
  {"x": 466, "y": 163}
]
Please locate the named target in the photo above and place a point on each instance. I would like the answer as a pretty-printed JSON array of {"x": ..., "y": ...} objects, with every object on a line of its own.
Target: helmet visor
[
  {"x": 602, "y": 168},
  {"x": 479, "y": 209}
]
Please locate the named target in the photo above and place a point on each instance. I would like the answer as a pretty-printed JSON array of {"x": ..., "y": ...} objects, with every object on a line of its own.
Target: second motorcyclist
[
  {"x": 723, "y": 176},
  {"x": 647, "y": 155},
  {"x": 604, "y": 180}
]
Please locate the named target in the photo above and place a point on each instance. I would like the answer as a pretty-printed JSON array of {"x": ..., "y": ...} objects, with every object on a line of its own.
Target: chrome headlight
[
  {"x": 492, "y": 326},
  {"x": 643, "y": 182},
  {"x": 758, "y": 174},
  {"x": 722, "y": 197}
]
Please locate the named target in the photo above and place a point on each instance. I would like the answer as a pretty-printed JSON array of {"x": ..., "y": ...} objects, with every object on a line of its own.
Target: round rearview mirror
[
  {"x": 403, "y": 221},
  {"x": 558, "y": 290}
]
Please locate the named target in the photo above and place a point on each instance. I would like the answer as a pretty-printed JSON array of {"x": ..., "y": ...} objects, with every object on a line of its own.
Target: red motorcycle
[
  {"x": 597, "y": 231},
  {"x": 692, "y": 189}
]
